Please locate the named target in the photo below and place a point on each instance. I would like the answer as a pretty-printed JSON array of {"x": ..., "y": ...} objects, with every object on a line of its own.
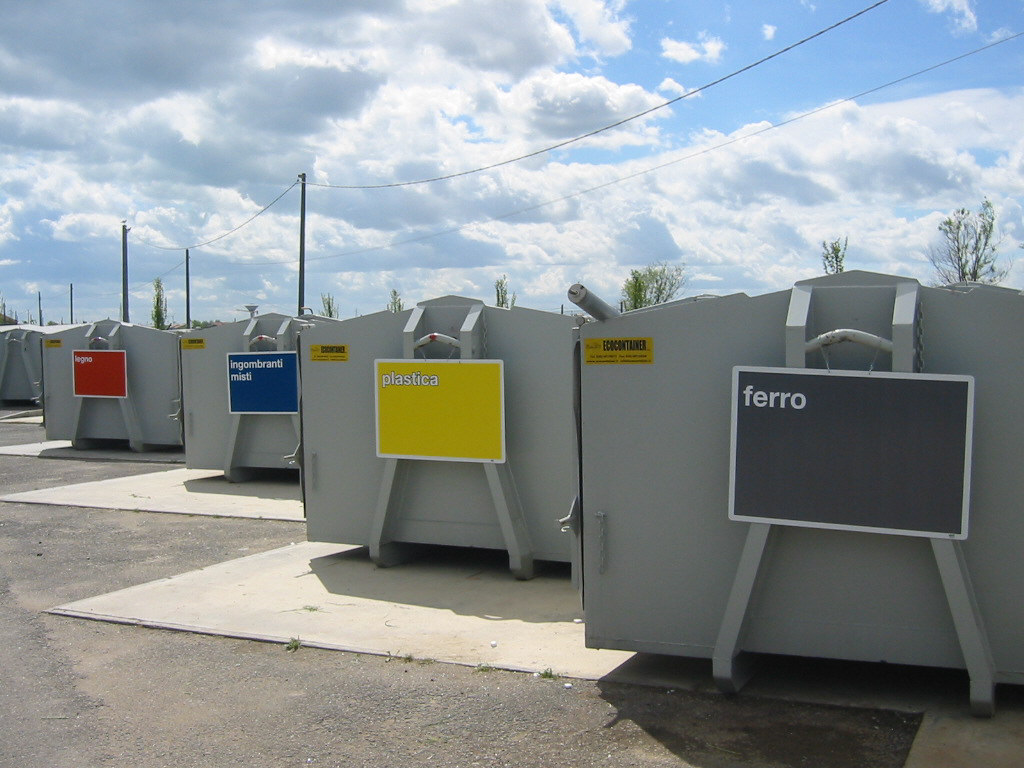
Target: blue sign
[{"x": 263, "y": 382}]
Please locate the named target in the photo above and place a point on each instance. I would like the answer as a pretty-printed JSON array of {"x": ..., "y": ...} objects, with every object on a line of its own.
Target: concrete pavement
[{"x": 465, "y": 610}]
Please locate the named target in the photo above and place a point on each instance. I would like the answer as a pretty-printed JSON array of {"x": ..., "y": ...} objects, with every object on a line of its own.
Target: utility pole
[
  {"x": 71, "y": 313},
  {"x": 188, "y": 295},
  {"x": 302, "y": 243},
  {"x": 39, "y": 300},
  {"x": 124, "y": 271}
]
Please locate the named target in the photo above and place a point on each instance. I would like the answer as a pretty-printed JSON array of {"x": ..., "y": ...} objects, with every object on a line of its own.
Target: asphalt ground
[{"x": 86, "y": 693}]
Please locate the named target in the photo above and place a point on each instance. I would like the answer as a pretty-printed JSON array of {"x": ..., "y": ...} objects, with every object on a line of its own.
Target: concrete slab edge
[
  {"x": 278, "y": 640},
  {"x": 14, "y": 499},
  {"x": 62, "y": 449}
]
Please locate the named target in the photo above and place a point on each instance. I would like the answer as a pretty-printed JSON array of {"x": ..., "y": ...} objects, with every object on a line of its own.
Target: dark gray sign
[{"x": 881, "y": 452}]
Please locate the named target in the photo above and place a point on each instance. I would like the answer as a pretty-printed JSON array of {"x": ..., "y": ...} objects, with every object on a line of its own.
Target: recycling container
[
  {"x": 826, "y": 471},
  {"x": 449, "y": 423},
  {"x": 240, "y": 387},
  {"x": 21, "y": 363},
  {"x": 112, "y": 381}
]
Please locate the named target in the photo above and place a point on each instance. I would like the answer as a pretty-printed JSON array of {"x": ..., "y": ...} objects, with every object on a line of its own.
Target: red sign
[{"x": 100, "y": 373}]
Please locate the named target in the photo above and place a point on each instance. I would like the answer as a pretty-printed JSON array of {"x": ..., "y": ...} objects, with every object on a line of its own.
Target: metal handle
[
  {"x": 848, "y": 334},
  {"x": 571, "y": 522},
  {"x": 442, "y": 337},
  {"x": 261, "y": 337}
]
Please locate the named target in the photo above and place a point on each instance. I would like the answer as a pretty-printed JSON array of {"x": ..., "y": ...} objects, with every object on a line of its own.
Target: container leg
[
  {"x": 510, "y": 518},
  {"x": 132, "y": 425},
  {"x": 731, "y": 667},
  {"x": 384, "y": 552},
  {"x": 230, "y": 472},
  {"x": 970, "y": 629}
]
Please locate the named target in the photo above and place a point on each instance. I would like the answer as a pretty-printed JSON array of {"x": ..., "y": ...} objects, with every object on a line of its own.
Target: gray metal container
[
  {"x": 252, "y": 437},
  {"x": 139, "y": 404},
  {"x": 666, "y": 570},
  {"x": 355, "y": 496},
  {"x": 21, "y": 363}
]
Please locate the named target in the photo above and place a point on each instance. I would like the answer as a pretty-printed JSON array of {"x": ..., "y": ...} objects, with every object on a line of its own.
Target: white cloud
[
  {"x": 382, "y": 91},
  {"x": 44, "y": 124},
  {"x": 708, "y": 49},
  {"x": 1000, "y": 34},
  {"x": 671, "y": 86},
  {"x": 598, "y": 23},
  {"x": 73, "y": 227},
  {"x": 768, "y": 31},
  {"x": 558, "y": 104},
  {"x": 507, "y": 37},
  {"x": 961, "y": 11}
]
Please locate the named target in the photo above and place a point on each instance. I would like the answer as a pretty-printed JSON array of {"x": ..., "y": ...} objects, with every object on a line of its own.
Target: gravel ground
[{"x": 84, "y": 693}]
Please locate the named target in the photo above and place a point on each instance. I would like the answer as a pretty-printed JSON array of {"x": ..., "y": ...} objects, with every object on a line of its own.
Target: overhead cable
[
  {"x": 535, "y": 153},
  {"x": 616, "y": 124},
  {"x": 651, "y": 169},
  {"x": 221, "y": 236}
]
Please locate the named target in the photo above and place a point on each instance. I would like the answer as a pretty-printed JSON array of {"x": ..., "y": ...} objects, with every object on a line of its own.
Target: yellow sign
[
  {"x": 452, "y": 410},
  {"x": 193, "y": 343},
  {"x": 618, "y": 351},
  {"x": 329, "y": 353},
  {"x": 53, "y": 343}
]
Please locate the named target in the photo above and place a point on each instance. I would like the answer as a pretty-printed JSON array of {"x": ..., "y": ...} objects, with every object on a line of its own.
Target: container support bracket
[
  {"x": 385, "y": 552},
  {"x": 131, "y": 423},
  {"x": 511, "y": 520},
  {"x": 732, "y": 668},
  {"x": 128, "y": 416},
  {"x": 231, "y": 450},
  {"x": 970, "y": 628},
  {"x": 232, "y": 446}
]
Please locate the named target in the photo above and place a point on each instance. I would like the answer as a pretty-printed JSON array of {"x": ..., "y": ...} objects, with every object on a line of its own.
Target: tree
[
  {"x": 159, "y": 315},
  {"x": 501, "y": 297},
  {"x": 654, "y": 284},
  {"x": 968, "y": 251},
  {"x": 833, "y": 256},
  {"x": 330, "y": 308},
  {"x": 395, "y": 303}
]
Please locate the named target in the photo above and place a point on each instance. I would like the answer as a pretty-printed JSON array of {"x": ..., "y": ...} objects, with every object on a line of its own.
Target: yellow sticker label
[
  {"x": 193, "y": 343},
  {"x": 328, "y": 353},
  {"x": 53, "y": 343},
  {"x": 618, "y": 351},
  {"x": 440, "y": 409}
]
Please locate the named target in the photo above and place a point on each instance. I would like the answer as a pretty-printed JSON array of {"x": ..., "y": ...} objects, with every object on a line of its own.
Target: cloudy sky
[{"x": 186, "y": 119}]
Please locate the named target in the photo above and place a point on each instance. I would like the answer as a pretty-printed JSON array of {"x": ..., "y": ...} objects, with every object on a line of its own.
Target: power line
[
  {"x": 651, "y": 169},
  {"x": 535, "y": 153},
  {"x": 221, "y": 236},
  {"x": 616, "y": 124},
  {"x": 578, "y": 193}
]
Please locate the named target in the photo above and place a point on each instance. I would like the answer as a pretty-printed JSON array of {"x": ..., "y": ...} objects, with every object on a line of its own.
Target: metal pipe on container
[{"x": 591, "y": 304}]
